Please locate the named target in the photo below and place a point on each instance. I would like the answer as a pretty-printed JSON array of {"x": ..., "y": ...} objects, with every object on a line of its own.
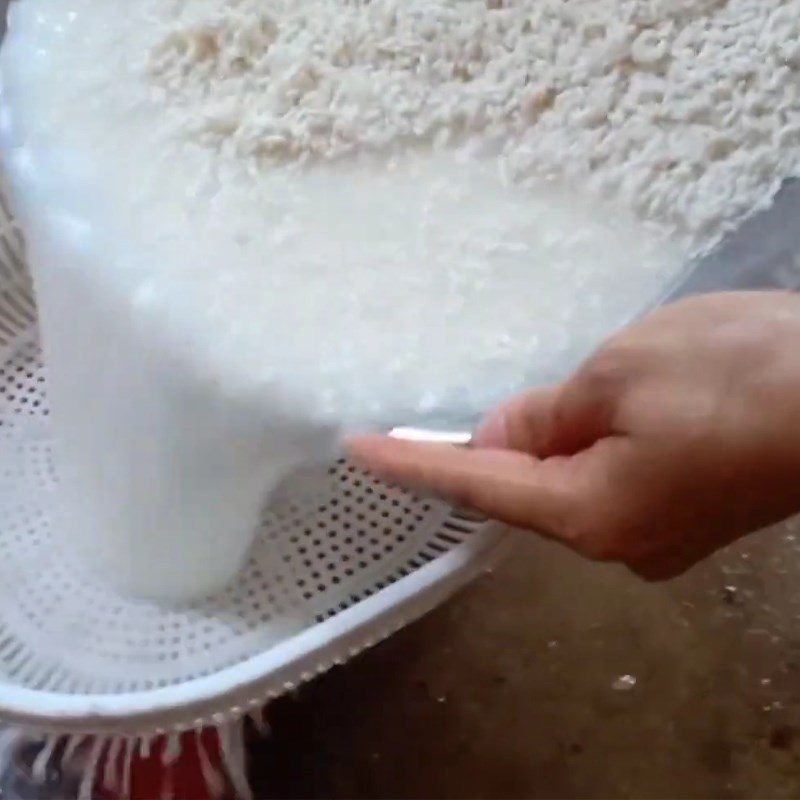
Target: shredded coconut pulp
[{"x": 686, "y": 110}]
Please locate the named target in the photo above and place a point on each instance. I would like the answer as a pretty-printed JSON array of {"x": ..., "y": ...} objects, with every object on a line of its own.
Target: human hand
[{"x": 679, "y": 435}]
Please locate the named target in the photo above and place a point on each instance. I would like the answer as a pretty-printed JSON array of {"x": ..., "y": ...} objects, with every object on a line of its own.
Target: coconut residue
[
  {"x": 255, "y": 225},
  {"x": 685, "y": 110}
]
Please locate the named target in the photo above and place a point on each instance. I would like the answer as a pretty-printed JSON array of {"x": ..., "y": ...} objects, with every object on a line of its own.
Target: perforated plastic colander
[{"x": 323, "y": 581}]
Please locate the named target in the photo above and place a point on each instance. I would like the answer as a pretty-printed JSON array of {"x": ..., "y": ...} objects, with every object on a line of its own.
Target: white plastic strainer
[{"x": 323, "y": 582}]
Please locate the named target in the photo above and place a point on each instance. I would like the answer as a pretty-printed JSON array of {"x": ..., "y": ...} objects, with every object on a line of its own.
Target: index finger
[{"x": 512, "y": 487}]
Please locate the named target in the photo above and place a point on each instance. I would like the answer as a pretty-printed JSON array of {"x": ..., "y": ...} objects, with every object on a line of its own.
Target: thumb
[{"x": 512, "y": 487}]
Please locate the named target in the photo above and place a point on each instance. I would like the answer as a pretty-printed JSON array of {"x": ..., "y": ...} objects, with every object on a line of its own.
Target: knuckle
[
  {"x": 600, "y": 538},
  {"x": 468, "y": 492},
  {"x": 587, "y": 538},
  {"x": 607, "y": 371}
]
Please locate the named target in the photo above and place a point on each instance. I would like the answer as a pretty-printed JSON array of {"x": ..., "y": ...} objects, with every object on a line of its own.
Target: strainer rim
[{"x": 234, "y": 690}]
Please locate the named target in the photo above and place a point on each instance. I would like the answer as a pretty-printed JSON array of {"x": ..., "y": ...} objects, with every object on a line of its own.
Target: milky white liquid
[{"x": 208, "y": 329}]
